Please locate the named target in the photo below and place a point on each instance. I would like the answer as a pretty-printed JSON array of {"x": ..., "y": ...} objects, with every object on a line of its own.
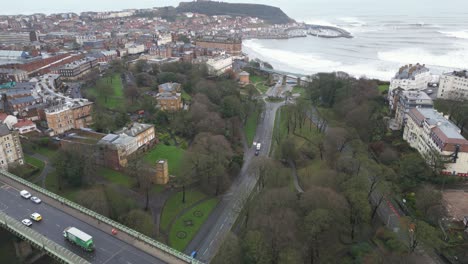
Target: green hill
[{"x": 269, "y": 14}]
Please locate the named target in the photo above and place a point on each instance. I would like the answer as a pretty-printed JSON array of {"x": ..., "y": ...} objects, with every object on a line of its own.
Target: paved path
[
  {"x": 298, "y": 187},
  {"x": 47, "y": 168}
]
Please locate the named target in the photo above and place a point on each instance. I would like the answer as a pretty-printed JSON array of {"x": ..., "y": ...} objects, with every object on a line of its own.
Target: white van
[
  {"x": 25, "y": 194},
  {"x": 259, "y": 146}
]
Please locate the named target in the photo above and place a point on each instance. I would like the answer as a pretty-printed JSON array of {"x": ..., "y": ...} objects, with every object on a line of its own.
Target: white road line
[
  {"x": 222, "y": 225},
  {"x": 204, "y": 252}
]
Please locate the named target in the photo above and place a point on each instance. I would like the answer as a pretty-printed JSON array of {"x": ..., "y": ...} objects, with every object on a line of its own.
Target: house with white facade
[
  {"x": 428, "y": 131},
  {"x": 409, "y": 77},
  {"x": 219, "y": 65},
  {"x": 408, "y": 100},
  {"x": 453, "y": 85}
]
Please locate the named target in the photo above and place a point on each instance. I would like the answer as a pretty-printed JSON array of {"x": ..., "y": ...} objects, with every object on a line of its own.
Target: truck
[{"x": 78, "y": 237}]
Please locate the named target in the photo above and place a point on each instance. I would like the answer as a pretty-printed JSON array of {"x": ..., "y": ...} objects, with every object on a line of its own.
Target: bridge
[{"x": 126, "y": 246}]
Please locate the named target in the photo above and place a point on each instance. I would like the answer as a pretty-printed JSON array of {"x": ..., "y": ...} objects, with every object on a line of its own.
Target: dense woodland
[
  {"x": 348, "y": 162},
  {"x": 269, "y": 14}
]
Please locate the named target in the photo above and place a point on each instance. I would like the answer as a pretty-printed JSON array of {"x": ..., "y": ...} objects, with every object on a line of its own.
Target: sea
[{"x": 387, "y": 33}]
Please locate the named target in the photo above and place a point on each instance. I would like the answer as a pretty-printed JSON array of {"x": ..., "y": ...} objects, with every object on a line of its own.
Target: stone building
[
  {"x": 64, "y": 117},
  {"x": 11, "y": 151},
  {"x": 231, "y": 45},
  {"x": 162, "y": 172}
]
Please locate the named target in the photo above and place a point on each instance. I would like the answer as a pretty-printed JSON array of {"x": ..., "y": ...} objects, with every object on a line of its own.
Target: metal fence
[
  {"x": 114, "y": 224},
  {"x": 39, "y": 241}
]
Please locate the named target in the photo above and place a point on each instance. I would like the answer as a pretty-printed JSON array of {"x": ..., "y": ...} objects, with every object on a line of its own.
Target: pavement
[
  {"x": 109, "y": 249},
  {"x": 221, "y": 220}
]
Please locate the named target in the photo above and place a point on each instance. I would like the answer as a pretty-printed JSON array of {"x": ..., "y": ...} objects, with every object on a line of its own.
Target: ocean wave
[
  {"x": 319, "y": 22},
  {"x": 462, "y": 34},
  {"x": 353, "y": 21},
  {"x": 451, "y": 59},
  {"x": 309, "y": 63},
  {"x": 304, "y": 63}
]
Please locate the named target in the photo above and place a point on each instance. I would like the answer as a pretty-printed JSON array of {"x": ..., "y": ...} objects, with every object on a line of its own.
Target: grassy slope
[
  {"x": 34, "y": 162},
  {"x": 114, "y": 101},
  {"x": 205, "y": 208},
  {"x": 116, "y": 177},
  {"x": 174, "y": 205},
  {"x": 250, "y": 127},
  {"x": 173, "y": 155}
]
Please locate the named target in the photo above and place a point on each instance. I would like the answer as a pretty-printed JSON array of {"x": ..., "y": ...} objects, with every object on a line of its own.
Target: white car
[
  {"x": 25, "y": 194},
  {"x": 36, "y": 200},
  {"x": 26, "y": 222}
]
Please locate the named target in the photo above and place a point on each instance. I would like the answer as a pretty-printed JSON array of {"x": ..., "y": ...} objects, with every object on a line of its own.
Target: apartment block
[
  {"x": 408, "y": 100},
  {"x": 64, "y": 117},
  {"x": 454, "y": 85},
  {"x": 428, "y": 131}
]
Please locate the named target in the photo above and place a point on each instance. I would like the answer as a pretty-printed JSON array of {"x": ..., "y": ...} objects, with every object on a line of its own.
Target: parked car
[
  {"x": 25, "y": 194},
  {"x": 36, "y": 200},
  {"x": 26, "y": 222},
  {"x": 36, "y": 217},
  {"x": 257, "y": 152}
]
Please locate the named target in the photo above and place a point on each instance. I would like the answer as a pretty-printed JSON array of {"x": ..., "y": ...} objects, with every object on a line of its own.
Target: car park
[
  {"x": 26, "y": 222},
  {"x": 36, "y": 200},
  {"x": 36, "y": 217},
  {"x": 25, "y": 194}
]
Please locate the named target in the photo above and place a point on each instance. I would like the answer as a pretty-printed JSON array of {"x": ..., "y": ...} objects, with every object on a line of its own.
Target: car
[
  {"x": 25, "y": 194},
  {"x": 193, "y": 254},
  {"x": 257, "y": 152},
  {"x": 26, "y": 222},
  {"x": 36, "y": 217},
  {"x": 36, "y": 200}
]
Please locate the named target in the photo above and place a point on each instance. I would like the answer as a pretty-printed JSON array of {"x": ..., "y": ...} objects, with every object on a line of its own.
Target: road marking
[
  {"x": 204, "y": 252},
  {"x": 222, "y": 225},
  {"x": 57, "y": 225}
]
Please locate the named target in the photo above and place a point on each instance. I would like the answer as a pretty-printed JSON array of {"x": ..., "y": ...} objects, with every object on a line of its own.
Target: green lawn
[
  {"x": 173, "y": 155},
  {"x": 383, "y": 87},
  {"x": 250, "y": 127},
  {"x": 34, "y": 162},
  {"x": 114, "y": 101},
  {"x": 116, "y": 177},
  {"x": 259, "y": 82},
  {"x": 182, "y": 231},
  {"x": 186, "y": 97},
  {"x": 44, "y": 151},
  {"x": 174, "y": 205},
  {"x": 298, "y": 90},
  {"x": 51, "y": 182}
]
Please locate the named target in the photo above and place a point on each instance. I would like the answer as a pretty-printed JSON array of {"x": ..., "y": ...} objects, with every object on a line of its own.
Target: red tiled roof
[
  {"x": 3, "y": 116},
  {"x": 23, "y": 123}
]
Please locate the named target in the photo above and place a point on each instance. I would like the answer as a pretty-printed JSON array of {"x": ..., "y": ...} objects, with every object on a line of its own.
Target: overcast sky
[{"x": 291, "y": 7}]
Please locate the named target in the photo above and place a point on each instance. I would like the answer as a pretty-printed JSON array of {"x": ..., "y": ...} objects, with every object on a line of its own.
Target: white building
[
  {"x": 427, "y": 131},
  {"x": 218, "y": 65},
  {"x": 408, "y": 100},
  {"x": 454, "y": 85},
  {"x": 10, "y": 147},
  {"x": 409, "y": 77},
  {"x": 133, "y": 48},
  {"x": 164, "y": 39}
]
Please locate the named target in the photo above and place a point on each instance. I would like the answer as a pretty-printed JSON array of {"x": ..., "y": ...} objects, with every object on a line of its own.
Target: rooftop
[
  {"x": 410, "y": 71},
  {"x": 169, "y": 87},
  {"x": 135, "y": 129},
  {"x": 4, "y": 130},
  {"x": 461, "y": 74}
]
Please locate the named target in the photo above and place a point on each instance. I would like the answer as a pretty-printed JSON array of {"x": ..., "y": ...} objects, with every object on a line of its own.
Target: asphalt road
[
  {"x": 212, "y": 233},
  {"x": 108, "y": 248}
]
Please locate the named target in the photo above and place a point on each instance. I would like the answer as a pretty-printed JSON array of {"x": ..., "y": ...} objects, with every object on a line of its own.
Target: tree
[
  {"x": 144, "y": 79},
  {"x": 139, "y": 220},
  {"x": 256, "y": 250},
  {"x": 359, "y": 210},
  {"x": 420, "y": 232},
  {"x": 230, "y": 251},
  {"x": 427, "y": 197},
  {"x": 143, "y": 174},
  {"x": 316, "y": 223},
  {"x": 94, "y": 199},
  {"x": 231, "y": 106},
  {"x": 104, "y": 90}
]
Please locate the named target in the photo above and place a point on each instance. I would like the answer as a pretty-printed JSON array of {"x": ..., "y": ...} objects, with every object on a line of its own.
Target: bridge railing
[
  {"x": 39, "y": 241},
  {"x": 103, "y": 219}
]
